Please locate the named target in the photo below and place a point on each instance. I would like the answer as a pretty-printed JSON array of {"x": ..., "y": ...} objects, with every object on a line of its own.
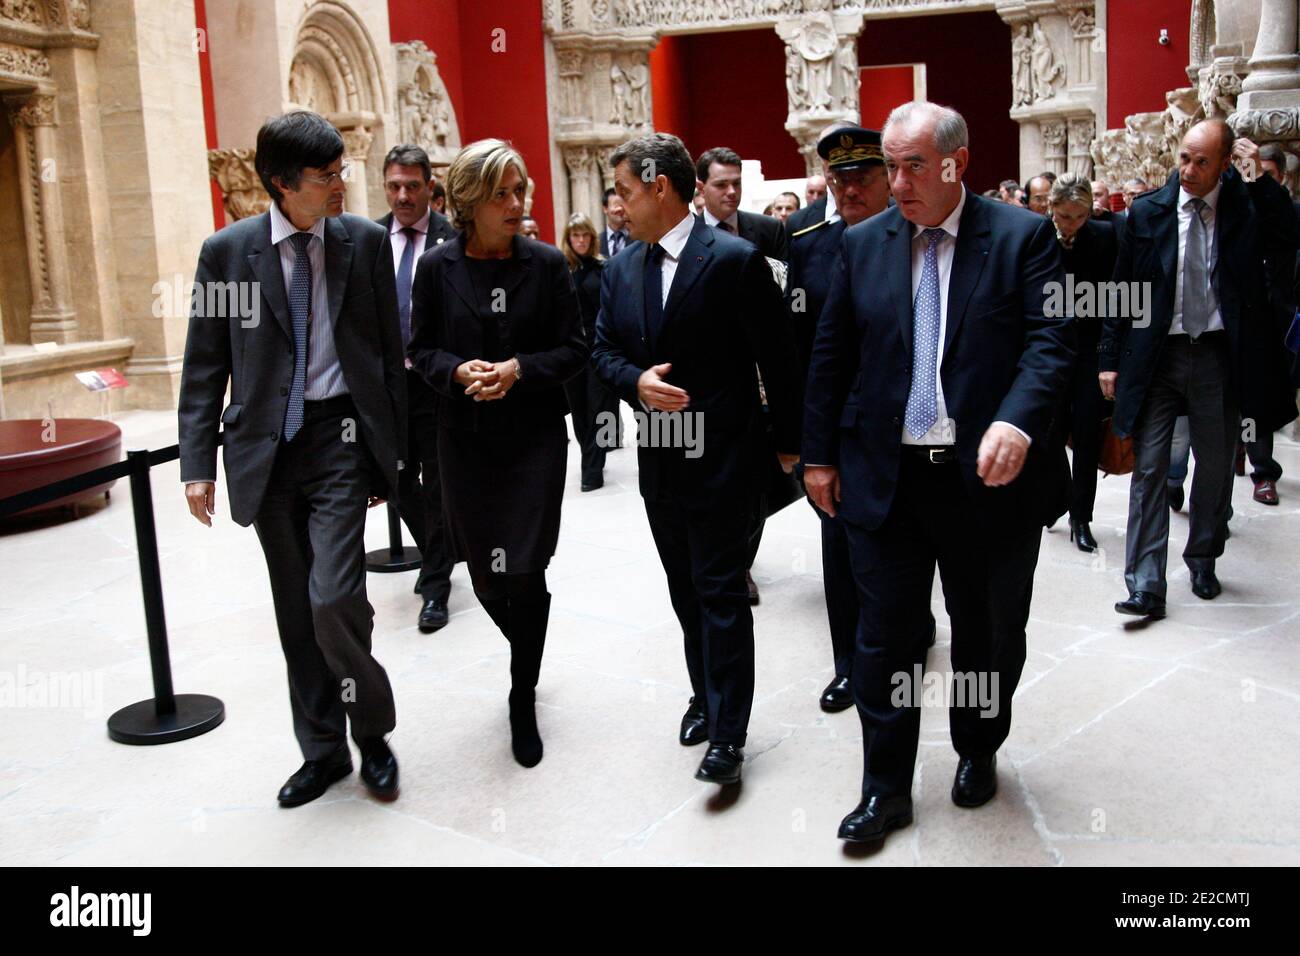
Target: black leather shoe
[
  {"x": 751, "y": 587},
  {"x": 1142, "y": 604},
  {"x": 1081, "y": 535},
  {"x": 695, "y": 725},
  {"x": 591, "y": 484},
  {"x": 525, "y": 740},
  {"x": 433, "y": 616},
  {"x": 837, "y": 696},
  {"x": 976, "y": 781},
  {"x": 1176, "y": 498},
  {"x": 1206, "y": 585},
  {"x": 379, "y": 769},
  {"x": 314, "y": 778},
  {"x": 721, "y": 764},
  {"x": 874, "y": 817}
]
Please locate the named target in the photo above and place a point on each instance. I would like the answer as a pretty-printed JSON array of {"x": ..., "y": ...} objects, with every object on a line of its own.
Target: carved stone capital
[
  {"x": 356, "y": 143},
  {"x": 241, "y": 189},
  {"x": 34, "y": 110},
  {"x": 1278, "y": 123},
  {"x": 22, "y": 62}
]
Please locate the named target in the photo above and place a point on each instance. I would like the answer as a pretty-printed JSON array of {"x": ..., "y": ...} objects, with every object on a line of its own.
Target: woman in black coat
[
  {"x": 496, "y": 331},
  {"x": 1088, "y": 250},
  {"x": 594, "y": 407}
]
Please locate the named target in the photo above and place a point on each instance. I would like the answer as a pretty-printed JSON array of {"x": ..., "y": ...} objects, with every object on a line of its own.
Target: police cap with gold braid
[{"x": 850, "y": 147}]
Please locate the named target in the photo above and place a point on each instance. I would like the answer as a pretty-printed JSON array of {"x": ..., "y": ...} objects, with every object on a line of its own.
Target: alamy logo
[{"x": 103, "y": 909}]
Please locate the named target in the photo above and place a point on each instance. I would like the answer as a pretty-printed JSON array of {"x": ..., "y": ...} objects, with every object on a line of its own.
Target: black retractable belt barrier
[{"x": 395, "y": 557}]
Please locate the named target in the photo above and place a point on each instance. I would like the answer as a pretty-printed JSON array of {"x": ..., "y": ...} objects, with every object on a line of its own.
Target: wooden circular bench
[{"x": 34, "y": 452}]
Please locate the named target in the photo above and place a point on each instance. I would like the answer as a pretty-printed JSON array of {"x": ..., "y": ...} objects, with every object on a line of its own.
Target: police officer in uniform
[{"x": 855, "y": 167}]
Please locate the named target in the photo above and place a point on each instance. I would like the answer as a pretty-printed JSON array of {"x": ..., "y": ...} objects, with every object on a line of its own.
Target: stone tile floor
[{"x": 1171, "y": 744}]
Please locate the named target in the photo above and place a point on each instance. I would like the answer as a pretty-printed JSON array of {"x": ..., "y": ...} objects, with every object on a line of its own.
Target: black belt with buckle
[
  {"x": 338, "y": 405},
  {"x": 934, "y": 454}
]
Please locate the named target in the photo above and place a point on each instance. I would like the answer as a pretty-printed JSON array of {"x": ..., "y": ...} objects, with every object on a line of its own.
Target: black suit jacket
[
  {"x": 806, "y": 216},
  {"x": 1002, "y": 360},
  {"x": 723, "y": 315},
  {"x": 542, "y": 317},
  {"x": 421, "y": 399},
  {"x": 1255, "y": 235},
  {"x": 813, "y": 255},
  {"x": 765, "y": 232},
  {"x": 257, "y": 360}
]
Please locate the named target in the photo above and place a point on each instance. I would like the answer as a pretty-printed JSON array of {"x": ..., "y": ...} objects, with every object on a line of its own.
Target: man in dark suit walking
[
  {"x": 413, "y": 226},
  {"x": 855, "y": 167},
  {"x": 1203, "y": 245},
  {"x": 717, "y": 173},
  {"x": 315, "y": 427},
  {"x": 935, "y": 375},
  {"x": 685, "y": 315}
]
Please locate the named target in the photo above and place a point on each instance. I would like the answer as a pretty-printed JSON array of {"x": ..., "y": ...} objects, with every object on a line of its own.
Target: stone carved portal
[{"x": 335, "y": 72}]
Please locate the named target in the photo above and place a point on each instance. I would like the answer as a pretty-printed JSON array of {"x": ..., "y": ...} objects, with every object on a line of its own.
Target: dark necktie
[
  {"x": 404, "y": 283},
  {"x": 299, "y": 311},
  {"x": 654, "y": 289},
  {"x": 1198, "y": 297},
  {"x": 725, "y": 226},
  {"x": 615, "y": 243}
]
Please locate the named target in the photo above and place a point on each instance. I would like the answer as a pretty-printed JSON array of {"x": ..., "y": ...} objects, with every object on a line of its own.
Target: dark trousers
[
  {"x": 1083, "y": 414},
  {"x": 703, "y": 552},
  {"x": 1194, "y": 377},
  {"x": 1264, "y": 466},
  {"x": 311, "y": 526},
  {"x": 420, "y": 500},
  {"x": 987, "y": 591},
  {"x": 592, "y": 405},
  {"x": 842, "y": 608}
]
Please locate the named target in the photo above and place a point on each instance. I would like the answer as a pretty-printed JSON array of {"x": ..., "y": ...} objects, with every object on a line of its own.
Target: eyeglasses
[
  {"x": 856, "y": 178},
  {"x": 344, "y": 173}
]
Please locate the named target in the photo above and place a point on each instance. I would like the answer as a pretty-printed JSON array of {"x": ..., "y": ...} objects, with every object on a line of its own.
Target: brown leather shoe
[{"x": 1266, "y": 492}]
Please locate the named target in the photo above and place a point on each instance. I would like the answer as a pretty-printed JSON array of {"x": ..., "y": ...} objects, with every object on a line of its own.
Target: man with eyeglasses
[{"x": 315, "y": 431}]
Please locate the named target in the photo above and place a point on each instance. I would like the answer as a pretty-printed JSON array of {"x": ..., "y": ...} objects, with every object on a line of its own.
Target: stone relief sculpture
[
  {"x": 814, "y": 43},
  {"x": 424, "y": 112},
  {"x": 618, "y": 100},
  {"x": 1022, "y": 67},
  {"x": 846, "y": 64},
  {"x": 1049, "y": 72},
  {"x": 794, "y": 80},
  {"x": 241, "y": 190}
]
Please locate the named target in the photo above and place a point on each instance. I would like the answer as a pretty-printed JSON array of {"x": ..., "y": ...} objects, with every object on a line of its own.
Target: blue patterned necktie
[
  {"x": 299, "y": 310},
  {"x": 404, "y": 284},
  {"x": 615, "y": 243},
  {"x": 923, "y": 399}
]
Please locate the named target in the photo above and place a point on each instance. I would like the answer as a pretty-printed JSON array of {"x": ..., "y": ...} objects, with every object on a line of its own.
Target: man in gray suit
[{"x": 314, "y": 430}]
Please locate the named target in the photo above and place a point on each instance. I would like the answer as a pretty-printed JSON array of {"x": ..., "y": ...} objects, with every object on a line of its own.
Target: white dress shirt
[
  {"x": 673, "y": 242},
  {"x": 832, "y": 212},
  {"x": 324, "y": 373},
  {"x": 733, "y": 221},
  {"x": 1211, "y": 254}
]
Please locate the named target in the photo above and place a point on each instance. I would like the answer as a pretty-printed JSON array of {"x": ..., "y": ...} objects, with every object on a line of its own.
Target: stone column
[
  {"x": 1053, "y": 134},
  {"x": 1080, "y": 132},
  {"x": 356, "y": 146},
  {"x": 821, "y": 75},
  {"x": 53, "y": 318},
  {"x": 584, "y": 185},
  {"x": 1274, "y": 67}
]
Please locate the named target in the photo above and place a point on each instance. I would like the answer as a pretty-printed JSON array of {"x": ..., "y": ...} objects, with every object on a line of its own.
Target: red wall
[
  {"x": 883, "y": 88},
  {"x": 967, "y": 57},
  {"x": 505, "y": 95},
  {"x": 1140, "y": 70},
  {"x": 209, "y": 109},
  {"x": 726, "y": 89}
]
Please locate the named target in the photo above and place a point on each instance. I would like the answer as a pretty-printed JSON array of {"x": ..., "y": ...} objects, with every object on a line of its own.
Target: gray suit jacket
[{"x": 255, "y": 356}]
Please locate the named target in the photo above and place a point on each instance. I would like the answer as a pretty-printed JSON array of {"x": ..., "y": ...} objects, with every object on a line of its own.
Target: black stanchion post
[
  {"x": 166, "y": 717},
  {"x": 396, "y": 557}
]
